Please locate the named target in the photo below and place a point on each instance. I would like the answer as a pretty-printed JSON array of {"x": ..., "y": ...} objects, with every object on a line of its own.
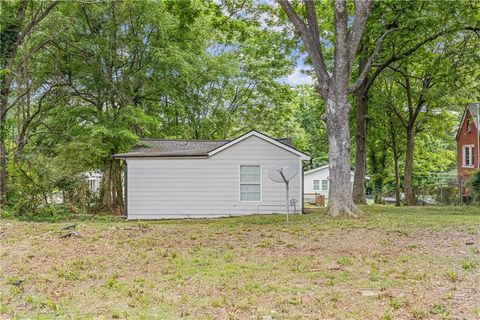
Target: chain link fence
[{"x": 437, "y": 189}]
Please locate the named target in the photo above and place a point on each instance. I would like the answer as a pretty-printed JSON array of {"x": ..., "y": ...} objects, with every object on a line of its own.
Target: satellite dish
[{"x": 284, "y": 173}]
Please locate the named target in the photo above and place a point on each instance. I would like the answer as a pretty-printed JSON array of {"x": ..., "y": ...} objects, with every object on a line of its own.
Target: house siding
[
  {"x": 208, "y": 187},
  {"x": 321, "y": 174},
  {"x": 467, "y": 138}
]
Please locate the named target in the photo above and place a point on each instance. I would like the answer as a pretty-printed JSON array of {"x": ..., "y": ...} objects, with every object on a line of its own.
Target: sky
[{"x": 297, "y": 77}]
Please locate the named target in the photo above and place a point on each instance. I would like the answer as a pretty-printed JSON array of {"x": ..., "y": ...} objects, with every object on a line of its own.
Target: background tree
[
  {"x": 17, "y": 22},
  {"x": 333, "y": 84},
  {"x": 416, "y": 24}
]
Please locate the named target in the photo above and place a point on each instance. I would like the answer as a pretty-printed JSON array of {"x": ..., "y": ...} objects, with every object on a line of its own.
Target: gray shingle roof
[
  {"x": 179, "y": 148},
  {"x": 473, "y": 108}
]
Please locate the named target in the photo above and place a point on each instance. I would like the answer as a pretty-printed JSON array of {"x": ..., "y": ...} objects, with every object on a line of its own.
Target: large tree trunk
[
  {"x": 361, "y": 134},
  {"x": 118, "y": 186},
  {"x": 397, "y": 176},
  {"x": 408, "y": 184},
  {"x": 360, "y": 149},
  {"x": 340, "y": 192},
  {"x": 333, "y": 87},
  {"x": 396, "y": 156},
  {"x": 113, "y": 192},
  {"x": 378, "y": 165}
]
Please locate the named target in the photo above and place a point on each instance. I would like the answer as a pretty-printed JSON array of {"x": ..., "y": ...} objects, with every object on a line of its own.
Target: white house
[
  {"x": 205, "y": 178},
  {"x": 93, "y": 179},
  {"x": 318, "y": 180}
]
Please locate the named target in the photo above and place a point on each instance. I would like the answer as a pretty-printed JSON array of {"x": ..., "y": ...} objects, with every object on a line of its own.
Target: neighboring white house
[
  {"x": 318, "y": 180},
  {"x": 205, "y": 178},
  {"x": 93, "y": 179}
]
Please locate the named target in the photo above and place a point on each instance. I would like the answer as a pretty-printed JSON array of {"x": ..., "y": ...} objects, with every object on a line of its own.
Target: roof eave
[{"x": 144, "y": 155}]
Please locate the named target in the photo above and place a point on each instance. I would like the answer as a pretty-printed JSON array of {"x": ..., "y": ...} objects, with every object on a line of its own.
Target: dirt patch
[{"x": 310, "y": 269}]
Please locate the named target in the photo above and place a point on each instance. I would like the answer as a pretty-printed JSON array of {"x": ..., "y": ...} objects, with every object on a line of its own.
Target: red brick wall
[{"x": 467, "y": 138}]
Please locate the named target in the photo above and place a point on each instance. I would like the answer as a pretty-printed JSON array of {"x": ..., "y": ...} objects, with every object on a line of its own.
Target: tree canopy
[{"x": 81, "y": 81}]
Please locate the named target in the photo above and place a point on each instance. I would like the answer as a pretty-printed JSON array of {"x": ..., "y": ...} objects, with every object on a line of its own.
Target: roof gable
[
  {"x": 264, "y": 137},
  {"x": 317, "y": 169},
  {"x": 326, "y": 167},
  {"x": 199, "y": 148},
  {"x": 472, "y": 109}
]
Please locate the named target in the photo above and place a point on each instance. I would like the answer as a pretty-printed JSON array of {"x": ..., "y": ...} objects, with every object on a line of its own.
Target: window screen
[
  {"x": 250, "y": 183},
  {"x": 324, "y": 184},
  {"x": 468, "y": 156}
]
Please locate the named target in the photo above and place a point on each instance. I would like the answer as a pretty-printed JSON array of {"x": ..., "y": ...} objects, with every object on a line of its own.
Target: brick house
[{"x": 468, "y": 141}]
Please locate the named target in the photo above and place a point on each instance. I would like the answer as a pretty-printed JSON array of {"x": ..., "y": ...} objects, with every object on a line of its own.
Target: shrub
[{"x": 474, "y": 185}]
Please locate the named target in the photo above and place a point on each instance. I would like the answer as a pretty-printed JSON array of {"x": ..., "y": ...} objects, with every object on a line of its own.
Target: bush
[
  {"x": 474, "y": 185},
  {"x": 45, "y": 213},
  {"x": 38, "y": 187}
]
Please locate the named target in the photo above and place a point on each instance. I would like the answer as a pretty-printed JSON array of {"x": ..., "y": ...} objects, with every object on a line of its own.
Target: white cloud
[{"x": 298, "y": 78}]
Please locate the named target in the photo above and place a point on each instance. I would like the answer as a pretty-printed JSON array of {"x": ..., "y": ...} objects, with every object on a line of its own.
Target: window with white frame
[
  {"x": 469, "y": 125},
  {"x": 324, "y": 184},
  {"x": 468, "y": 156},
  {"x": 316, "y": 185},
  {"x": 250, "y": 183}
]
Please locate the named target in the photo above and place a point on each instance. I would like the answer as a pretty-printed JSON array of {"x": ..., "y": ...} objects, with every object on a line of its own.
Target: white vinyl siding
[
  {"x": 468, "y": 156},
  {"x": 321, "y": 174},
  {"x": 208, "y": 186},
  {"x": 250, "y": 183},
  {"x": 324, "y": 185},
  {"x": 316, "y": 185}
]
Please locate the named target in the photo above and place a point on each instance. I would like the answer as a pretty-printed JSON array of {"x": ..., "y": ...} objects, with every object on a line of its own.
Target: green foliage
[
  {"x": 93, "y": 78},
  {"x": 475, "y": 184}
]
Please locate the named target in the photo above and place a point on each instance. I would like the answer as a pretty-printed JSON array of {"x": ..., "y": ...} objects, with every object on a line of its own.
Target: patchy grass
[{"x": 419, "y": 263}]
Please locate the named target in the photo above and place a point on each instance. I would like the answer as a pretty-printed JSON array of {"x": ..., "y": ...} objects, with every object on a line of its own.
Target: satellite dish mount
[{"x": 284, "y": 173}]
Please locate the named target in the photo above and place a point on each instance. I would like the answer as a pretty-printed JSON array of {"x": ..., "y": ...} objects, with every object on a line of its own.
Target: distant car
[
  {"x": 389, "y": 200},
  {"x": 427, "y": 201}
]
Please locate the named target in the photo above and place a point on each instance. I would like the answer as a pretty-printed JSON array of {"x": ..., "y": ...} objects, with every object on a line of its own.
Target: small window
[
  {"x": 250, "y": 184},
  {"x": 469, "y": 125},
  {"x": 316, "y": 184},
  {"x": 468, "y": 156},
  {"x": 324, "y": 184}
]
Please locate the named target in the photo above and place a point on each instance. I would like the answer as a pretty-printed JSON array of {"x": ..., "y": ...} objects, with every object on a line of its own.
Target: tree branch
[
  {"x": 404, "y": 54},
  {"x": 311, "y": 39},
  {"x": 35, "y": 21},
  {"x": 371, "y": 59},
  {"x": 362, "y": 9}
]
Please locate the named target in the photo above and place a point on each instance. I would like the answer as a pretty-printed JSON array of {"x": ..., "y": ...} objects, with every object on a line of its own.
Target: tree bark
[
  {"x": 340, "y": 192},
  {"x": 360, "y": 148},
  {"x": 395, "y": 163},
  {"x": 113, "y": 186},
  {"x": 334, "y": 87},
  {"x": 118, "y": 185},
  {"x": 378, "y": 165},
  {"x": 107, "y": 180},
  {"x": 361, "y": 133},
  {"x": 397, "y": 181},
  {"x": 408, "y": 186}
]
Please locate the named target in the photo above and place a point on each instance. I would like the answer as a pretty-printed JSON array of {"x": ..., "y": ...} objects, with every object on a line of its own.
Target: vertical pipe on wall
[{"x": 125, "y": 191}]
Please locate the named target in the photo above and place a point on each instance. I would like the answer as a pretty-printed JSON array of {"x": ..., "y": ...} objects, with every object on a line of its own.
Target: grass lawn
[{"x": 395, "y": 263}]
